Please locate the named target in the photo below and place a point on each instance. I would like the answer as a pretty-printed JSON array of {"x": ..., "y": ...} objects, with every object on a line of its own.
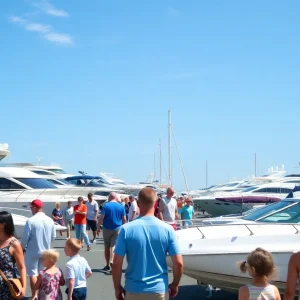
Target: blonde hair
[
  {"x": 261, "y": 261},
  {"x": 57, "y": 204},
  {"x": 51, "y": 254},
  {"x": 74, "y": 244}
]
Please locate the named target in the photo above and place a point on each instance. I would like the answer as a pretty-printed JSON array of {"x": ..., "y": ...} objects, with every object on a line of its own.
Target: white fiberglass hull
[
  {"x": 212, "y": 256},
  {"x": 21, "y": 199}
]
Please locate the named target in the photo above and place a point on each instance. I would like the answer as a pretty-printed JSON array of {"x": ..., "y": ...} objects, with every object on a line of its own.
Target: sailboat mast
[
  {"x": 159, "y": 161},
  {"x": 255, "y": 165},
  {"x": 206, "y": 174},
  {"x": 170, "y": 148}
]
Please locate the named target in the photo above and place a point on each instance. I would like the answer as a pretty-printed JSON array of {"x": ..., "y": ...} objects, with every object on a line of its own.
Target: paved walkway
[{"x": 100, "y": 285}]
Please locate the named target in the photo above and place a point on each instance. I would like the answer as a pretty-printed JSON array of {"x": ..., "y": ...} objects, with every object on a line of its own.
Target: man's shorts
[
  {"x": 91, "y": 225},
  {"x": 33, "y": 266},
  {"x": 144, "y": 296},
  {"x": 69, "y": 224},
  {"x": 110, "y": 237}
]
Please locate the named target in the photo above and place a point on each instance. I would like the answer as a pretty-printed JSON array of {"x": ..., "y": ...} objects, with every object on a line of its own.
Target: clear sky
[{"x": 88, "y": 85}]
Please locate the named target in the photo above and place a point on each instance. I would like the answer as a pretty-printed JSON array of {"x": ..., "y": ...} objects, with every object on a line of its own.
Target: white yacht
[
  {"x": 20, "y": 217},
  {"x": 19, "y": 186},
  {"x": 53, "y": 171},
  {"x": 224, "y": 203},
  {"x": 211, "y": 253}
]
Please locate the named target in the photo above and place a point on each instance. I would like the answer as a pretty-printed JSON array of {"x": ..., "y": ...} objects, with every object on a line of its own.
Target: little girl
[
  {"x": 50, "y": 279},
  {"x": 260, "y": 267}
]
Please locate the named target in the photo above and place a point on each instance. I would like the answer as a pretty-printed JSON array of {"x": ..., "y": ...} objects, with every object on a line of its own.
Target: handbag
[{"x": 14, "y": 285}]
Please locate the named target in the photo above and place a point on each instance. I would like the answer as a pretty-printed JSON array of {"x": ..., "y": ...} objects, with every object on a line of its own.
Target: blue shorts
[{"x": 79, "y": 293}]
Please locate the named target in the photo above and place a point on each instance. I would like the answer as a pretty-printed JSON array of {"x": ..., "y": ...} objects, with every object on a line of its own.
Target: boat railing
[
  {"x": 17, "y": 211},
  {"x": 250, "y": 227}
]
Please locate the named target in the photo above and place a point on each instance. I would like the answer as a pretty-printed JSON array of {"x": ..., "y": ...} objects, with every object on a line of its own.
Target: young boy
[
  {"x": 77, "y": 271},
  {"x": 69, "y": 218}
]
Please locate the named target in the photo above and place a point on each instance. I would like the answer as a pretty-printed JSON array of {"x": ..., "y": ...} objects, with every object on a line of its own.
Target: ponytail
[{"x": 243, "y": 266}]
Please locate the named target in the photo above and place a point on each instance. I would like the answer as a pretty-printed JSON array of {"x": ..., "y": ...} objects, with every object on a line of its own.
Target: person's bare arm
[
  {"x": 176, "y": 214},
  {"x": 292, "y": 277},
  {"x": 62, "y": 281},
  {"x": 133, "y": 216},
  {"x": 177, "y": 273},
  {"x": 96, "y": 215},
  {"x": 277, "y": 294},
  {"x": 71, "y": 288},
  {"x": 116, "y": 275},
  {"x": 88, "y": 274},
  {"x": 100, "y": 222},
  {"x": 17, "y": 252},
  {"x": 243, "y": 293},
  {"x": 123, "y": 220},
  {"x": 36, "y": 287},
  {"x": 161, "y": 209}
]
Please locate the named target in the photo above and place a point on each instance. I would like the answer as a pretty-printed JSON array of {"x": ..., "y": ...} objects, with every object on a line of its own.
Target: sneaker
[
  {"x": 88, "y": 248},
  {"x": 106, "y": 268},
  {"x": 94, "y": 241}
]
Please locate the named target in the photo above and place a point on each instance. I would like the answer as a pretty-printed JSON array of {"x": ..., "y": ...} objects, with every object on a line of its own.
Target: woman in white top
[{"x": 260, "y": 267}]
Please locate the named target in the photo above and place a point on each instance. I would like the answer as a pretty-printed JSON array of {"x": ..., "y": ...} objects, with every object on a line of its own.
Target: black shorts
[{"x": 91, "y": 225}]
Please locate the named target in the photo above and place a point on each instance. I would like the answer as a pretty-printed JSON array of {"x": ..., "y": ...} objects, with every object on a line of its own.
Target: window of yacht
[
  {"x": 268, "y": 209},
  {"x": 55, "y": 182},
  {"x": 6, "y": 184},
  {"x": 41, "y": 172},
  {"x": 289, "y": 215},
  {"x": 273, "y": 190},
  {"x": 37, "y": 183},
  {"x": 58, "y": 171},
  {"x": 249, "y": 189}
]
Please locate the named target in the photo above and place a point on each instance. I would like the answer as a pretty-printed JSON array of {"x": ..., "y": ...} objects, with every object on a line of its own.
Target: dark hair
[
  {"x": 6, "y": 218},
  {"x": 90, "y": 194},
  {"x": 261, "y": 261}
]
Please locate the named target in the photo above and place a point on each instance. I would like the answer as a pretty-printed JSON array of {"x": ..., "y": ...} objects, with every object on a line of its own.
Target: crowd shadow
[{"x": 196, "y": 292}]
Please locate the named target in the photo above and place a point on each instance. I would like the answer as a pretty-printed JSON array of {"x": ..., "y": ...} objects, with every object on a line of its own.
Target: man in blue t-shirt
[
  {"x": 112, "y": 217},
  {"x": 146, "y": 242}
]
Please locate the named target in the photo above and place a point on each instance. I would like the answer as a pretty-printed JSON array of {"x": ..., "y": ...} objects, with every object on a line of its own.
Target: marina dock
[{"x": 100, "y": 285}]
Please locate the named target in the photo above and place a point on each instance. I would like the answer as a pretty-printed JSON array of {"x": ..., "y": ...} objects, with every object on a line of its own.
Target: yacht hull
[{"x": 211, "y": 254}]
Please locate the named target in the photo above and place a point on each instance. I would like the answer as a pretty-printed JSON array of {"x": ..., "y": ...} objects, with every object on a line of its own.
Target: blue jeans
[
  {"x": 79, "y": 294},
  {"x": 80, "y": 231}
]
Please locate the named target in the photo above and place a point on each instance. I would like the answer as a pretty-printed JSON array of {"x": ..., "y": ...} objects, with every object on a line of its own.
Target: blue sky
[{"x": 88, "y": 85}]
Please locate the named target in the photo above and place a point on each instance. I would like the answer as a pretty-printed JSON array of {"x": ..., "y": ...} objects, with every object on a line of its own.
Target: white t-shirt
[
  {"x": 133, "y": 207},
  {"x": 169, "y": 210},
  {"x": 91, "y": 209},
  {"x": 76, "y": 268},
  {"x": 69, "y": 213}
]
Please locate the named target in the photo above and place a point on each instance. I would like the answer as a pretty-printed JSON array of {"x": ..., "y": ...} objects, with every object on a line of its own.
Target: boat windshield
[
  {"x": 58, "y": 171},
  {"x": 266, "y": 210},
  {"x": 37, "y": 183}
]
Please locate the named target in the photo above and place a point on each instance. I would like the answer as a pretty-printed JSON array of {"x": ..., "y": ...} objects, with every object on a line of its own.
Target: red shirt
[{"x": 78, "y": 218}]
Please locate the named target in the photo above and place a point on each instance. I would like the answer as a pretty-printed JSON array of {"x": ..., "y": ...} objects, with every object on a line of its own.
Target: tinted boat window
[
  {"x": 37, "y": 183},
  {"x": 6, "y": 184},
  {"x": 289, "y": 215},
  {"x": 267, "y": 210}
]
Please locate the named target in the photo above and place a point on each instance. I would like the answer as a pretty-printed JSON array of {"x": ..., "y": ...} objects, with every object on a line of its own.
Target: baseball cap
[{"x": 37, "y": 203}]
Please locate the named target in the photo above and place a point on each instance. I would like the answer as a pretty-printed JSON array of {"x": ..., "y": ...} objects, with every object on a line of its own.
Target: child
[
  {"x": 50, "y": 279},
  {"x": 260, "y": 267},
  {"x": 77, "y": 271}
]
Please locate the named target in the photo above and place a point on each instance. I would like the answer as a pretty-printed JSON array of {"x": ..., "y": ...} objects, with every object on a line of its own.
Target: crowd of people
[{"x": 141, "y": 229}]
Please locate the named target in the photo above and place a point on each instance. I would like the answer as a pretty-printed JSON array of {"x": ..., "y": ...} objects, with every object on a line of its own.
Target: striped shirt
[{"x": 261, "y": 293}]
